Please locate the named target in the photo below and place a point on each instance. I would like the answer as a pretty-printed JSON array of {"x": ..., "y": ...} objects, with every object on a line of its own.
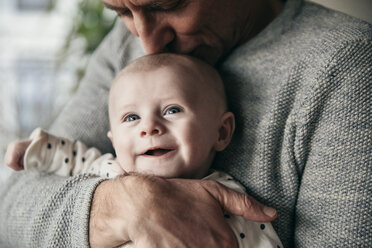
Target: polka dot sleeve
[{"x": 64, "y": 157}]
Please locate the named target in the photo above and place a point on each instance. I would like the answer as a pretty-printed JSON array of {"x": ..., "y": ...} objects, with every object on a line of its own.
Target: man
[{"x": 298, "y": 78}]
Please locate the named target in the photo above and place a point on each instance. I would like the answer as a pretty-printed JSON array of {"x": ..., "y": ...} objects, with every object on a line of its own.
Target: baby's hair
[{"x": 156, "y": 61}]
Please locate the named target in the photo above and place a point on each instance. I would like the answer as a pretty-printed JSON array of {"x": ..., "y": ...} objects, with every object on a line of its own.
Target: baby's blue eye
[
  {"x": 131, "y": 117},
  {"x": 172, "y": 110}
]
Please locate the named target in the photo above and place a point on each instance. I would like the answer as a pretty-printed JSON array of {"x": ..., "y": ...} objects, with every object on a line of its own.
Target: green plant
[{"x": 91, "y": 23}]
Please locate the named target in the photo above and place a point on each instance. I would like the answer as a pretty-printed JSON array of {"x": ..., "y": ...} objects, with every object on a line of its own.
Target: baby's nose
[
  {"x": 150, "y": 132},
  {"x": 151, "y": 126}
]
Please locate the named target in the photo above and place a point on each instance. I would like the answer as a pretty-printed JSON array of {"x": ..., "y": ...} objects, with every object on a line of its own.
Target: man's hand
[
  {"x": 157, "y": 212},
  {"x": 15, "y": 153}
]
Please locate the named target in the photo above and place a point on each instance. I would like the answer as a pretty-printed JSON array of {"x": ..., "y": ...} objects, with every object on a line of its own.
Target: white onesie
[{"x": 68, "y": 158}]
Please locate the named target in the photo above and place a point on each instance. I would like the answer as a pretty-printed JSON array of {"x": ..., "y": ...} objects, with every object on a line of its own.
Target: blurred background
[{"x": 44, "y": 47}]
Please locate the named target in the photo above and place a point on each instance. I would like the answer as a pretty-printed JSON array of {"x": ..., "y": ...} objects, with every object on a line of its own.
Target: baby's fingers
[{"x": 15, "y": 153}]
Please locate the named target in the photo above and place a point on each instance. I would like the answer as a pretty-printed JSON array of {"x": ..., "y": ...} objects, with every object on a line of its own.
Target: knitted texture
[
  {"x": 56, "y": 215},
  {"x": 301, "y": 92},
  {"x": 303, "y": 139}
]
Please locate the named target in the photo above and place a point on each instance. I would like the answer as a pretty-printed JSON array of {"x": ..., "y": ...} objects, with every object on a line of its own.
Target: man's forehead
[{"x": 117, "y": 4}]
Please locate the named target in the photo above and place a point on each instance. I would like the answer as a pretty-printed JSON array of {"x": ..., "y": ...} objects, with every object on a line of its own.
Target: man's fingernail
[{"x": 269, "y": 211}]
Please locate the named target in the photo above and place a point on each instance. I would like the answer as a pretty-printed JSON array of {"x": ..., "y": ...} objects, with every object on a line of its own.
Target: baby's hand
[{"x": 15, "y": 153}]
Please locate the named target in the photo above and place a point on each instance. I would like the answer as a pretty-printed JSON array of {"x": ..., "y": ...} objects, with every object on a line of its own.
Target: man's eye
[
  {"x": 172, "y": 110},
  {"x": 124, "y": 13},
  {"x": 131, "y": 117},
  {"x": 166, "y": 6}
]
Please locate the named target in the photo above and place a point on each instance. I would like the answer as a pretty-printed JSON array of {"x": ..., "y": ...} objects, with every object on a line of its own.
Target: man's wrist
[{"x": 106, "y": 225}]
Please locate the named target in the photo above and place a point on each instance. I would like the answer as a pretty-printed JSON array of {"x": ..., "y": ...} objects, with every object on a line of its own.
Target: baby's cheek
[
  {"x": 196, "y": 141},
  {"x": 126, "y": 163},
  {"x": 198, "y": 150}
]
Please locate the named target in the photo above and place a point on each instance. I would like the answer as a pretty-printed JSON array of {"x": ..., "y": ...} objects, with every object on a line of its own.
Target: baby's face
[{"x": 164, "y": 122}]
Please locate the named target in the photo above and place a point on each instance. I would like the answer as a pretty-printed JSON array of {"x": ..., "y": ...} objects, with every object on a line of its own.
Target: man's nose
[
  {"x": 155, "y": 33},
  {"x": 151, "y": 127}
]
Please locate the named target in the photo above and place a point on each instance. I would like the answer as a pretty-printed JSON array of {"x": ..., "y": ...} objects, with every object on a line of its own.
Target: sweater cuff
[{"x": 81, "y": 211}]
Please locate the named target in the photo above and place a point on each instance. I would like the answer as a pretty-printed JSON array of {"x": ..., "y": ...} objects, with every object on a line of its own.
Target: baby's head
[{"x": 168, "y": 116}]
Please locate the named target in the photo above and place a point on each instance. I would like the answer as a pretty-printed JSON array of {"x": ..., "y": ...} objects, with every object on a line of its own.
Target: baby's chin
[
  {"x": 163, "y": 174},
  {"x": 173, "y": 174},
  {"x": 173, "y": 169}
]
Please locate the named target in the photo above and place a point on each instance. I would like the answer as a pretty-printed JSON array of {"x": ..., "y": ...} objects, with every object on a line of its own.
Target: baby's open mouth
[{"x": 158, "y": 152}]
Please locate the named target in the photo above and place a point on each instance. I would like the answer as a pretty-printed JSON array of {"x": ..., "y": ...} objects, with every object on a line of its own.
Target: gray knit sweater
[{"x": 301, "y": 91}]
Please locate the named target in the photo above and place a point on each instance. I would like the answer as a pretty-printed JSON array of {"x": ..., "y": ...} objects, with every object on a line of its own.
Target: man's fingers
[{"x": 239, "y": 204}]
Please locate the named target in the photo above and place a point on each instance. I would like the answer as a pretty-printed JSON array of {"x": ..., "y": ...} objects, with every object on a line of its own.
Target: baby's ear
[
  {"x": 109, "y": 135},
  {"x": 225, "y": 131}
]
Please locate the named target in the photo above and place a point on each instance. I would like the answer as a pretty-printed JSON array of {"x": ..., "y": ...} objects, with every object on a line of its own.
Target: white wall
[
  {"x": 30, "y": 85},
  {"x": 357, "y": 8}
]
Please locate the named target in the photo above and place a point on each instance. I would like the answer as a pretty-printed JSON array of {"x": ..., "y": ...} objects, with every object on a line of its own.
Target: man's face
[
  {"x": 164, "y": 122},
  {"x": 206, "y": 29}
]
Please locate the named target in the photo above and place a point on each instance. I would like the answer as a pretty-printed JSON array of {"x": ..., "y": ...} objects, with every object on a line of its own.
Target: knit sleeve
[
  {"x": 334, "y": 199},
  {"x": 39, "y": 210}
]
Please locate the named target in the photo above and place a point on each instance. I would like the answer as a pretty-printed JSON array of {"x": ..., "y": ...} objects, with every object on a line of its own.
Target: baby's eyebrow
[{"x": 126, "y": 107}]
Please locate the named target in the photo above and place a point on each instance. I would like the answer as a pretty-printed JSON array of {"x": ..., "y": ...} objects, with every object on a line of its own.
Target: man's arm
[
  {"x": 39, "y": 210},
  {"x": 148, "y": 210},
  {"x": 156, "y": 212}
]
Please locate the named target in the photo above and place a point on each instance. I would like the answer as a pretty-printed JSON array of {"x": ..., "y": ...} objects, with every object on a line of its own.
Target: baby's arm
[
  {"x": 15, "y": 153},
  {"x": 59, "y": 156}
]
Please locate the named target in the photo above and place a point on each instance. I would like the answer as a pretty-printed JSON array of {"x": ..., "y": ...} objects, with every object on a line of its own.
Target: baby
[{"x": 168, "y": 117}]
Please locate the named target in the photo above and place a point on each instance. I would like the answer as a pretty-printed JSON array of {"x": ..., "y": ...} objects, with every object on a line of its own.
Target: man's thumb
[{"x": 239, "y": 204}]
